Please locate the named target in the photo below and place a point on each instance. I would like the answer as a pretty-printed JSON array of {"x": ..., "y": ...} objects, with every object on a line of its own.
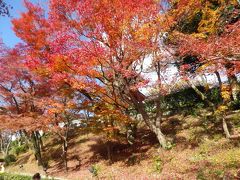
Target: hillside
[{"x": 194, "y": 154}]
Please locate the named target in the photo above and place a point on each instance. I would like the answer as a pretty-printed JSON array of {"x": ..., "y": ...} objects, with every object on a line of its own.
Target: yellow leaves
[
  {"x": 144, "y": 32},
  {"x": 222, "y": 108},
  {"x": 204, "y": 66},
  {"x": 199, "y": 35},
  {"x": 226, "y": 92},
  {"x": 210, "y": 17},
  {"x": 209, "y": 21},
  {"x": 226, "y": 95}
]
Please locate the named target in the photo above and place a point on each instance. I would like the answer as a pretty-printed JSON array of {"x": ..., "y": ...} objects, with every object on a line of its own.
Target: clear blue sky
[{"x": 6, "y": 32}]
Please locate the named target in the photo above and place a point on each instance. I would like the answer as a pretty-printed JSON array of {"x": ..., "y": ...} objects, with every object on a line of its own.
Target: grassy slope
[{"x": 200, "y": 152}]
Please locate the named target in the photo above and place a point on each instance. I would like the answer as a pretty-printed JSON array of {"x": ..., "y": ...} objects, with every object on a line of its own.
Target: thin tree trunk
[
  {"x": 37, "y": 149},
  {"x": 8, "y": 147},
  {"x": 225, "y": 128},
  {"x": 234, "y": 88},
  {"x": 161, "y": 138},
  {"x": 109, "y": 152},
  {"x": 40, "y": 142},
  {"x": 153, "y": 127},
  {"x": 150, "y": 122},
  {"x": 232, "y": 79},
  {"x": 65, "y": 149},
  {"x": 219, "y": 79},
  {"x": 203, "y": 97},
  {"x": 64, "y": 138}
]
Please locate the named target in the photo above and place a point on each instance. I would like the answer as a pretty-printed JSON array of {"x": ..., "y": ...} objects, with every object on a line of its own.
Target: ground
[{"x": 198, "y": 150}]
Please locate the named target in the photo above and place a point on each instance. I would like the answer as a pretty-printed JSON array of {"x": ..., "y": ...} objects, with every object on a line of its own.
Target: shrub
[
  {"x": 157, "y": 165},
  {"x": 9, "y": 159},
  {"x": 20, "y": 149},
  {"x": 94, "y": 169}
]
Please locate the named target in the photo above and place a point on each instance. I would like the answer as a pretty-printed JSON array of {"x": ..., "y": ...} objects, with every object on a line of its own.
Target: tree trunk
[
  {"x": 40, "y": 143},
  {"x": 8, "y": 147},
  {"x": 153, "y": 124},
  {"x": 65, "y": 149},
  {"x": 64, "y": 138},
  {"x": 234, "y": 89},
  {"x": 225, "y": 128},
  {"x": 232, "y": 80},
  {"x": 161, "y": 137},
  {"x": 37, "y": 149},
  {"x": 154, "y": 127},
  {"x": 203, "y": 97},
  {"x": 109, "y": 152},
  {"x": 219, "y": 79}
]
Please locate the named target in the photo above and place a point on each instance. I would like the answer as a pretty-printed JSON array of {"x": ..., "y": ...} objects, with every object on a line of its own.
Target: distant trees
[{"x": 19, "y": 92}]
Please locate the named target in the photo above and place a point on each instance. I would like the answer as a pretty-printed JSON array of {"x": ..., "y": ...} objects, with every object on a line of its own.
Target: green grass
[{"x": 7, "y": 176}]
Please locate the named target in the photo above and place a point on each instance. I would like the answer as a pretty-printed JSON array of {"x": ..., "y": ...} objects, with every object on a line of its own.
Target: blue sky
[{"x": 6, "y": 32}]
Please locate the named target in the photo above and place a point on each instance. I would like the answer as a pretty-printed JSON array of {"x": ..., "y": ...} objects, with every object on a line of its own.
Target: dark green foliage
[
  {"x": 214, "y": 4},
  {"x": 9, "y": 159},
  {"x": 189, "y": 26},
  {"x": 235, "y": 105},
  {"x": 214, "y": 95},
  {"x": 230, "y": 15},
  {"x": 187, "y": 100}
]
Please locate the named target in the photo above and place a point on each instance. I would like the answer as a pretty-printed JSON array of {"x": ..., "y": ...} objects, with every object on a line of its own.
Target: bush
[
  {"x": 20, "y": 149},
  {"x": 9, "y": 159},
  {"x": 157, "y": 164},
  {"x": 94, "y": 169}
]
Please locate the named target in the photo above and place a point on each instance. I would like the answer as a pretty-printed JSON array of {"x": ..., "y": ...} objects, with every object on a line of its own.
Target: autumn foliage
[{"x": 110, "y": 63}]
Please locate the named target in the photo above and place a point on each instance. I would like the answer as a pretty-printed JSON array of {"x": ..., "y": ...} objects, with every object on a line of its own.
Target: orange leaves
[
  {"x": 32, "y": 21},
  {"x": 59, "y": 63}
]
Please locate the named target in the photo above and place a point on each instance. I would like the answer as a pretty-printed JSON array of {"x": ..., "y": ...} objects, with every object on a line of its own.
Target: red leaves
[{"x": 219, "y": 49}]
